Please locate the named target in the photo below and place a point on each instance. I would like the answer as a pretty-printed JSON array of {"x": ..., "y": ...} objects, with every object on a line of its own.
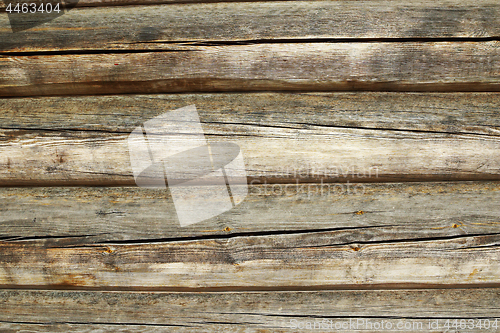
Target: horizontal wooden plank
[
  {"x": 470, "y": 66},
  {"x": 89, "y": 328},
  {"x": 154, "y": 27},
  {"x": 248, "y": 311},
  {"x": 100, "y": 3},
  {"x": 40, "y": 158},
  {"x": 317, "y": 259},
  {"x": 359, "y": 212},
  {"x": 457, "y": 113},
  {"x": 283, "y": 137}
]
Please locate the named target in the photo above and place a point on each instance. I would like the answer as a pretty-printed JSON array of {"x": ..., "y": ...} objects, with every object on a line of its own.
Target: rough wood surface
[
  {"x": 282, "y": 254},
  {"x": 78, "y": 311},
  {"x": 328, "y": 259},
  {"x": 100, "y": 3},
  {"x": 208, "y": 327},
  {"x": 471, "y": 66},
  {"x": 283, "y": 137},
  {"x": 359, "y": 212},
  {"x": 154, "y": 27},
  {"x": 458, "y": 113},
  {"x": 314, "y": 137}
]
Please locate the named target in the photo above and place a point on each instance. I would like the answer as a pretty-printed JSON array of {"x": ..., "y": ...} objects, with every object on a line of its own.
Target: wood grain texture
[
  {"x": 471, "y": 66},
  {"x": 154, "y": 27},
  {"x": 80, "y": 311},
  {"x": 458, "y": 113},
  {"x": 283, "y": 137},
  {"x": 223, "y": 327},
  {"x": 358, "y": 212},
  {"x": 318, "y": 259},
  {"x": 102, "y": 3},
  {"x": 305, "y": 252}
]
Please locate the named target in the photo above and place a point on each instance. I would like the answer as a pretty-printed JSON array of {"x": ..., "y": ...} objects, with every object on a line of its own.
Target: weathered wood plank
[
  {"x": 100, "y": 3},
  {"x": 154, "y": 27},
  {"x": 471, "y": 66},
  {"x": 91, "y": 328},
  {"x": 359, "y": 212},
  {"x": 39, "y": 158},
  {"x": 458, "y": 113},
  {"x": 246, "y": 312},
  {"x": 283, "y": 137},
  {"x": 321, "y": 259}
]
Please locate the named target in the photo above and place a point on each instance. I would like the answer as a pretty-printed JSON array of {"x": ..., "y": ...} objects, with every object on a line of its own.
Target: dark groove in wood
[
  {"x": 385, "y": 286},
  {"x": 173, "y": 86},
  {"x": 267, "y": 233},
  {"x": 385, "y": 179},
  {"x": 250, "y": 42}
]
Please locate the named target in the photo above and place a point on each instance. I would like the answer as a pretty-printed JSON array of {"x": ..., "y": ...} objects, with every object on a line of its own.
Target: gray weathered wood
[
  {"x": 101, "y": 328},
  {"x": 360, "y": 212},
  {"x": 458, "y": 113},
  {"x": 242, "y": 311},
  {"x": 283, "y": 137},
  {"x": 308, "y": 237},
  {"x": 209, "y": 327},
  {"x": 318, "y": 259},
  {"x": 468, "y": 66},
  {"x": 154, "y": 27},
  {"x": 40, "y": 158},
  {"x": 100, "y": 3}
]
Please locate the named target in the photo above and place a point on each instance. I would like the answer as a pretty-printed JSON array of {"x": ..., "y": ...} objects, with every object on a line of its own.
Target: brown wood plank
[
  {"x": 101, "y": 3},
  {"x": 82, "y": 311},
  {"x": 317, "y": 259},
  {"x": 155, "y": 27},
  {"x": 283, "y": 137},
  {"x": 39, "y": 158},
  {"x": 470, "y": 66},
  {"x": 91, "y": 328},
  {"x": 359, "y": 212},
  {"x": 458, "y": 113}
]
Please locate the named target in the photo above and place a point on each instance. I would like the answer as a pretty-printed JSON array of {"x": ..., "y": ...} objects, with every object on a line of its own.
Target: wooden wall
[{"x": 371, "y": 136}]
